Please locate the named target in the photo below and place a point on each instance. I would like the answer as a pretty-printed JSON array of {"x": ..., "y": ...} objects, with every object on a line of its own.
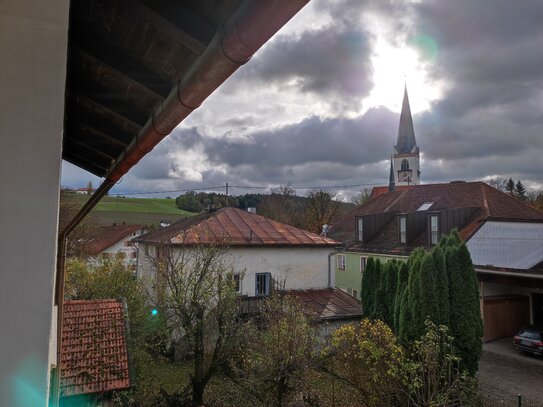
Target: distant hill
[{"x": 113, "y": 209}]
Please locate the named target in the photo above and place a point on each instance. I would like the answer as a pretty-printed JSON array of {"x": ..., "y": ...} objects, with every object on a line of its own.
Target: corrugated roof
[
  {"x": 106, "y": 236},
  {"x": 329, "y": 303},
  {"x": 235, "y": 227},
  {"x": 491, "y": 204},
  {"x": 94, "y": 356}
]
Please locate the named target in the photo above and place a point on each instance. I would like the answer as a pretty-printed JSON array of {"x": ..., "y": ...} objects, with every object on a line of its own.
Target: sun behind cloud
[{"x": 396, "y": 65}]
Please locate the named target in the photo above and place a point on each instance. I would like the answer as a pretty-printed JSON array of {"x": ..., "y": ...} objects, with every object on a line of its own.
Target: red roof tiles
[
  {"x": 329, "y": 303},
  {"x": 106, "y": 236},
  {"x": 94, "y": 356},
  {"x": 234, "y": 227}
]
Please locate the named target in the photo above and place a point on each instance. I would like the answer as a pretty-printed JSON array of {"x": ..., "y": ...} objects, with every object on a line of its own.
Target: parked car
[{"x": 530, "y": 339}]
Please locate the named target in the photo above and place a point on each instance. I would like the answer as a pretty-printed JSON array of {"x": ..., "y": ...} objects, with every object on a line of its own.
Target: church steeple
[
  {"x": 406, "y": 152},
  {"x": 406, "y": 133}
]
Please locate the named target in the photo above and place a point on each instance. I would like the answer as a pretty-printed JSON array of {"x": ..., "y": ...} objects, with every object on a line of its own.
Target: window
[
  {"x": 360, "y": 230},
  {"x": 403, "y": 229},
  {"x": 349, "y": 291},
  {"x": 237, "y": 282},
  {"x": 362, "y": 264},
  {"x": 355, "y": 293},
  {"x": 405, "y": 165},
  {"x": 341, "y": 261},
  {"x": 434, "y": 229},
  {"x": 425, "y": 206},
  {"x": 262, "y": 283},
  {"x": 128, "y": 243}
]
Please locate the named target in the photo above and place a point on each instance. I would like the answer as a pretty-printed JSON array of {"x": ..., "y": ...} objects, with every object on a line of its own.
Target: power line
[{"x": 244, "y": 187}]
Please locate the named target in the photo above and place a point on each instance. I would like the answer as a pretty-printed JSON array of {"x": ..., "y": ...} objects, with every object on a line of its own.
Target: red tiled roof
[
  {"x": 233, "y": 226},
  {"x": 490, "y": 204},
  {"x": 329, "y": 303},
  {"x": 94, "y": 356},
  {"x": 377, "y": 191},
  {"x": 106, "y": 236}
]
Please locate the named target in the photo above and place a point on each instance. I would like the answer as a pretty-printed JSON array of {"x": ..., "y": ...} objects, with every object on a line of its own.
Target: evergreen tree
[
  {"x": 415, "y": 323},
  {"x": 466, "y": 324},
  {"x": 520, "y": 191},
  {"x": 442, "y": 283},
  {"x": 404, "y": 334},
  {"x": 403, "y": 276},
  {"x": 390, "y": 291},
  {"x": 367, "y": 288},
  {"x": 428, "y": 296},
  {"x": 510, "y": 187}
]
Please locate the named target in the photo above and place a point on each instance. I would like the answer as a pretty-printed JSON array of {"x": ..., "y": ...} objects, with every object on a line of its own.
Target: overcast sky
[{"x": 319, "y": 104}]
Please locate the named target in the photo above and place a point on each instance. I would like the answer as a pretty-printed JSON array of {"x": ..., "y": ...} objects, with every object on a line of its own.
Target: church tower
[{"x": 406, "y": 152}]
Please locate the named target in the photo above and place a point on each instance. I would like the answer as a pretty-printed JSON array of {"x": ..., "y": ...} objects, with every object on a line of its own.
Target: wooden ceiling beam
[{"x": 181, "y": 23}]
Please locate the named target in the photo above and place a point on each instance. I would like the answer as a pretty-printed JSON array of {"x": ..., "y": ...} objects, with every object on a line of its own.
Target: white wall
[
  {"x": 507, "y": 244},
  {"x": 128, "y": 253},
  {"x": 298, "y": 268},
  {"x": 33, "y": 41}
]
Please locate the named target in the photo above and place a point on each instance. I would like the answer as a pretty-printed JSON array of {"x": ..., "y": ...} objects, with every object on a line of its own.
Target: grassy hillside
[{"x": 112, "y": 209}]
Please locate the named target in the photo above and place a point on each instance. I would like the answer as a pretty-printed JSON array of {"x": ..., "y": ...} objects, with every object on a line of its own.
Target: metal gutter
[
  {"x": 509, "y": 274},
  {"x": 235, "y": 42}
]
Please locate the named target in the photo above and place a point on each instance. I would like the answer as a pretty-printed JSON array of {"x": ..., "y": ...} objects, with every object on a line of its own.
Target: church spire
[
  {"x": 406, "y": 134},
  {"x": 391, "y": 183}
]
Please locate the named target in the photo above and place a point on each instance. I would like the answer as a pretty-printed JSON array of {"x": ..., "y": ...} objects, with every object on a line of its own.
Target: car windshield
[{"x": 530, "y": 335}]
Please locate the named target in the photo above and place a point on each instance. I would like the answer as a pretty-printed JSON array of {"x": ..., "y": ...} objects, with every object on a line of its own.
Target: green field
[{"x": 146, "y": 211}]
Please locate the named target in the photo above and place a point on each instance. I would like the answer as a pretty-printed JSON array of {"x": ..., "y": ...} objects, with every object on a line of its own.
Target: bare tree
[
  {"x": 79, "y": 237},
  {"x": 322, "y": 208},
  {"x": 362, "y": 197},
  {"x": 194, "y": 288},
  {"x": 499, "y": 183}
]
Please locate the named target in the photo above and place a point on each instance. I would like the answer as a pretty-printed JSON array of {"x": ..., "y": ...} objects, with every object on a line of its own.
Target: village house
[
  {"x": 503, "y": 234},
  {"x": 114, "y": 241},
  {"x": 265, "y": 254}
]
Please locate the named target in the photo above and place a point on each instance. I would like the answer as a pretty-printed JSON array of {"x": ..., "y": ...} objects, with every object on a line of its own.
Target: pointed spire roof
[
  {"x": 406, "y": 134},
  {"x": 391, "y": 183}
]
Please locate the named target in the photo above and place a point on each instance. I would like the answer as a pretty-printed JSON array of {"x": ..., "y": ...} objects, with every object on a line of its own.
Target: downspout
[{"x": 232, "y": 46}]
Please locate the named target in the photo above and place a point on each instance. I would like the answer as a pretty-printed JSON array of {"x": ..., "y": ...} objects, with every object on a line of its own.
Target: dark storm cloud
[
  {"x": 332, "y": 62},
  {"x": 362, "y": 140}
]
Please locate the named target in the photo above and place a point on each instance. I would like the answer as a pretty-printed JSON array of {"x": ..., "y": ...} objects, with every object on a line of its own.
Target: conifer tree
[
  {"x": 465, "y": 318},
  {"x": 510, "y": 187},
  {"x": 520, "y": 191},
  {"x": 415, "y": 323},
  {"x": 442, "y": 283},
  {"x": 404, "y": 318},
  {"x": 401, "y": 287},
  {"x": 428, "y": 296},
  {"x": 367, "y": 290}
]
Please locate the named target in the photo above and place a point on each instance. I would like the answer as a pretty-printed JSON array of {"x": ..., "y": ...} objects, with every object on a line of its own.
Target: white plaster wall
[
  {"x": 33, "y": 42},
  {"x": 120, "y": 247},
  {"x": 507, "y": 244},
  {"x": 298, "y": 268},
  {"x": 414, "y": 166}
]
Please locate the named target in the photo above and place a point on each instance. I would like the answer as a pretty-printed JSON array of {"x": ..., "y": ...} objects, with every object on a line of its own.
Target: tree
[
  {"x": 428, "y": 295},
  {"x": 79, "y": 237},
  {"x": 321, "y": 209},
  {"x": 442, "y": 286},
  {"x": 465, "y": 316},
  {"x": 499, "y": 183},
  {"x": 362, "y": 197},
  {"x": 414, "y": 322},
  {"x": 283, "y": 205},
  {"x": 89, "y": 188},
  {"x": 189, "y": 202},
  {"x": 520, "y": 191},
  {"x": 401, "y": 286},
  {"x": 368, "y": 358},
  {"x": 194, "y": 290},
  {"x": 370, "y": 284},
  {"x": 432, "y": 376},
  {"x": 280, "y": 350},
  {"x": 510, "y": 187}
]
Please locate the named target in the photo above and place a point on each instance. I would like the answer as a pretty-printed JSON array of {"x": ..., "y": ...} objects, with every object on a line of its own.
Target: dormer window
[
  {"x": 425, "y": 206},
  {"x": 359, "y": 230},
  {"x": 403, "y": 229},
  {"x": 434, "y": 229}
]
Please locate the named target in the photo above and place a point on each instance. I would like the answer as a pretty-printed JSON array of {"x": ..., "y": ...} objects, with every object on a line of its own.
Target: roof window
[{"x": 425, "y": 206}]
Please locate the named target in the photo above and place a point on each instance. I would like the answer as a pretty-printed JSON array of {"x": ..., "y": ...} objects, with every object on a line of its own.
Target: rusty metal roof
[
  {"x": 329, "y": 303},
  {"x": 106, "y": 236},
  {"x": 234, "y": 227},
  {"x": 94, "y": 356}
]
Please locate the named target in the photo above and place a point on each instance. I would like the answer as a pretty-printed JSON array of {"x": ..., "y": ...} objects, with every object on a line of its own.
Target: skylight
[{"x": 425, "y": 206}]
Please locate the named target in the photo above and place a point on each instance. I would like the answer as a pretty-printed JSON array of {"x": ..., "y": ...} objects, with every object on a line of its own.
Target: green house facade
[{"x": 350, "y": 266}]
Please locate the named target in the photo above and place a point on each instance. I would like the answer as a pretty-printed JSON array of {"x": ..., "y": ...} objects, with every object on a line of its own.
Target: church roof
[{"x": 406, "y": 133}]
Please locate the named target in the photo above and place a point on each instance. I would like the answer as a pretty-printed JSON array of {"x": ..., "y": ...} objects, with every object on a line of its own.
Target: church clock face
[{"x": 404, "y": 176}]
